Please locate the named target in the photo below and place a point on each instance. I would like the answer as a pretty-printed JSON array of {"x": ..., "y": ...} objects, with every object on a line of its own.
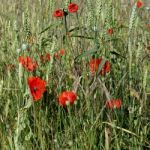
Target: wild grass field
[{"x": 74, "y": 75}]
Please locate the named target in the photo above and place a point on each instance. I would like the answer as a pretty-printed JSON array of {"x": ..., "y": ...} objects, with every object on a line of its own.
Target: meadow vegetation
[{"x": 77, "y": 78}]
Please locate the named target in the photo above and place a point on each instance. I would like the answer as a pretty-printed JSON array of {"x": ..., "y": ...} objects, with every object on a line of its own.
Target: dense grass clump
[{"x": 74, "y": 75}]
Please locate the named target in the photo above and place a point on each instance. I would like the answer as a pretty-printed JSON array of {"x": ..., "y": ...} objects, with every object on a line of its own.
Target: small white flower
[
  {"x": 18, "y": 50},
  {"x": 95, "y": 28},
  {"x": 147, "y": 8},
  {"x": 24, "y": 47}
]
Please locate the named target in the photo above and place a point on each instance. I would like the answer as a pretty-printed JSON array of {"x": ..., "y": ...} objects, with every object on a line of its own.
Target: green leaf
[
  {"x": 81, "y": 36},
  {"x": 101, "y": 66},
  {"x": 51, "y": 26},
  {"x": 89, "y": 52},
  {"x": 117, "y": 54},
  {"x": 74, "y": 29}
]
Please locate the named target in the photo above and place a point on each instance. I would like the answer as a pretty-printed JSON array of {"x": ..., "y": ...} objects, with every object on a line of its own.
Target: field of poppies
[{"x": 74, "y": 75}]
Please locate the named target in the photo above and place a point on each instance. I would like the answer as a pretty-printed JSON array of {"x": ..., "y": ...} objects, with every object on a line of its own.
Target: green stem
[{"x": 66, "y": 25}]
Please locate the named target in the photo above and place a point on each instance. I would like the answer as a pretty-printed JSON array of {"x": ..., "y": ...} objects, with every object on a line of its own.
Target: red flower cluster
[
  {"x": 94, "y": 65},
  {"x": 37, "y": 87},
  {"x": 139, "y": 4},
  {"x": 59, "y": 54},
  {"x": 113, "y": 103},
  {"x": 45, "y": 58},
  {"x": 73, "y": 8},
  {"x": 67, "y": 97},
  {"x": 58, "y": 13},
  {"x": 28, "y": 63}
]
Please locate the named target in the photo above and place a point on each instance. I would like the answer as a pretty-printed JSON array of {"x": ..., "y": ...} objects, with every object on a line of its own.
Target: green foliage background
[{"x": 25, "y": 124}]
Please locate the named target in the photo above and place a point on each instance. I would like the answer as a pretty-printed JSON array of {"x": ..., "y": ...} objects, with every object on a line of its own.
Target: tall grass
[{"x": 88, "y": 124}]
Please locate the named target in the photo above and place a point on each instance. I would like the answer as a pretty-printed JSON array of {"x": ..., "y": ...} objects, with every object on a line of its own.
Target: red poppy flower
[
  {"x": 62, "y": 52},
  {"x": 45, "y": 58},
  {"x": 72, "y": 8},
  {"x": 94, "y": 65},
  {"x": 113, "y": 103},
  {"x": 37, "y": 87},
  {"x": 48, "y": 57},
  {"x": 58, "y": 13},
  {"x": 59, "y": 53},
  {"x": 67, "y": 97},
  {"x": 110, "y": 31},
  {"x": 139, "y": 4},
  {"x": 28, "y": 63}
]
